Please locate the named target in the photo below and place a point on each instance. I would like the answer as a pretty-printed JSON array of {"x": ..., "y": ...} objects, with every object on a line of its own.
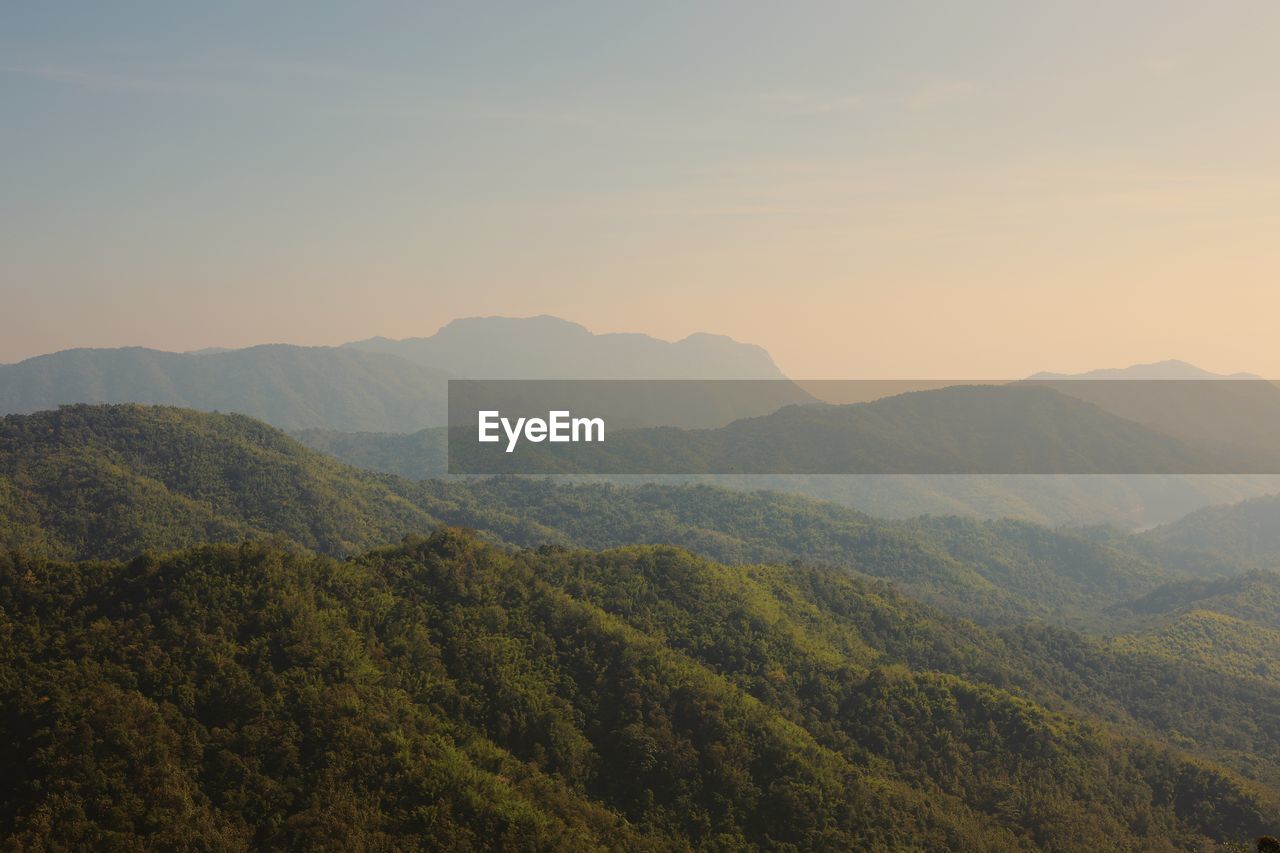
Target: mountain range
[
  {"x": 290, "y": 387},
  {"x": 817, "y": 677},
  {"x": 1132, "y": 502},
  {"x": 379, "y": 385},
  {"x": 1169, "y": 369},
  {"x": 370, "y": 408},
  {"x": 158, "y": 478},
  {"x": 546, "y": 347}
]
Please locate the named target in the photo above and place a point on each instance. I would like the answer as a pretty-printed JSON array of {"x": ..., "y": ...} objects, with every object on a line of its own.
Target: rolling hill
[
  {"x": 1129, "y": 502},
  {"x": 446, "y": 692},
  {"x": 414, "y": 455},
  {"x": 992, "y": 572},
  {"x": 1229, "y": 625},
  {"x": 828, "y": 615},
  {"x": 1240, "y": 535},
  {"x": 109, "y": 481}
]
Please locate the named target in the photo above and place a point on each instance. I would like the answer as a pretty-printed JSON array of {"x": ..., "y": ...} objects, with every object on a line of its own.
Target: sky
[{"x": 894, "y": 189}]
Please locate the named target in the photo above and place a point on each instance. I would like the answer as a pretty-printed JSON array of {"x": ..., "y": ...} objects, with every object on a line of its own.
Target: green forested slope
[
  {"x": 447, "y": 691},
  {"x": 1244, "y": 534},
  {"x": 107, "y": 481},
  {"x": 113, "y": 480},
  {"x": 414, "y": 456},
  {"x": 1129, "y": 502},
  {"x": 989, "y": 571},
  {"x": 229, "y": 698},
  {"x": 1231, "y": 625}
]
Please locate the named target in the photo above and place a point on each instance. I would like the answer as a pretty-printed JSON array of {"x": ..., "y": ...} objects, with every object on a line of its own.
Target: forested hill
[
  {"x": 841, "y": 679},
  {"x": 110, "y": 481},
  {"x": 443, "y": 693},
  {"x": 414, "y": 456},
  {"x": 990, "y": 571},
  {"x": 1245, "y": 534},
  {"x": 1131, "y": 502},
  {"x": 1229, "y": 625}
]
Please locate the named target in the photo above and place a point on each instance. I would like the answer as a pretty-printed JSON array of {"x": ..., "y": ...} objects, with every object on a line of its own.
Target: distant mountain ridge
[
  {"x": 346, "y": 399},
  {"x": 1239, "y": 411},
  {"x": 1168, "y": 369},
  {"x": 546, "y": 347},
  {"x": 290, "y": 387},
  {"x": 377, "y": 385}
]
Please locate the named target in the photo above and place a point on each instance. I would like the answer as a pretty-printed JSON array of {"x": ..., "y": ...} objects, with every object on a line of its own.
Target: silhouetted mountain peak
[
  {"x": 1171, "y": 368},
  {"x": 547, "y": 347},
  {"x": 538, "y": 324}
]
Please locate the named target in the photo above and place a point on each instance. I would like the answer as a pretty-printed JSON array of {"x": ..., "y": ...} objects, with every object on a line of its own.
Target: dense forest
[
  {"x": 1248, "y": 533},
  {"x": 447, "y": 692},
  {"x": 110, "y": 481},
  {"x": 654, "y": 667}
]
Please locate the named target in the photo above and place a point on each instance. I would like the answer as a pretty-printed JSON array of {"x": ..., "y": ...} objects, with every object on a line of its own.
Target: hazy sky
[{"x": 891, "y": 189}]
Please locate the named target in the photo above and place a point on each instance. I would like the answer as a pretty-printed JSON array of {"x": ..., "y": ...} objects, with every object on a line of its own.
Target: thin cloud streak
[
  {"x": 389, "y": 95},
  {"x": 112, "y": 81},
  {"x": 940, "y": 93},
  {"x": 809, "y": 103},
  {"x": 929, "y": 95}
]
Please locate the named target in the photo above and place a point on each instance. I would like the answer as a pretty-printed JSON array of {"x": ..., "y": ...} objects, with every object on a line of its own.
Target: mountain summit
[
  {"x": 546, "y": 347},
  {"x": 1168, "y": 369},
  {"x": 377, "y": 385}
]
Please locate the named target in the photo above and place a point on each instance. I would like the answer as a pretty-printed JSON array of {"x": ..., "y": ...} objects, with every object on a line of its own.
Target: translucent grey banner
[{"x": 932, "y": 426}]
